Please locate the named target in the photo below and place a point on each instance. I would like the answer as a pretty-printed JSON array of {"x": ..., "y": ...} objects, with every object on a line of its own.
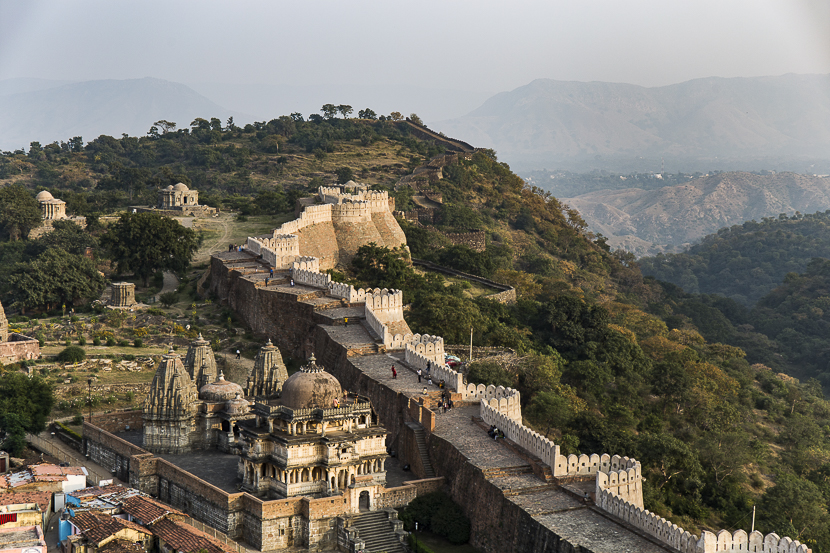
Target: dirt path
[
  {"x": 169, "y": 285},
  {"x": 220, "y": 244}
]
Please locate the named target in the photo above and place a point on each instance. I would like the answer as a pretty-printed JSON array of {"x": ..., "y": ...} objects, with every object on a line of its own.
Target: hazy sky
[{"x": 483, "y": 46}]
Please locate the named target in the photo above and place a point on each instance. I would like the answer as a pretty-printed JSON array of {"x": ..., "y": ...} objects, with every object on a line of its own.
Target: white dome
[
  {"x": 44, "y": 196},
  {"x": 180, "y": 187}
]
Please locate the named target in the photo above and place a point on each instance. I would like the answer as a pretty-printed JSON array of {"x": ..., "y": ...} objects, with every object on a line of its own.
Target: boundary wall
[{"x": 708, "y": 542}]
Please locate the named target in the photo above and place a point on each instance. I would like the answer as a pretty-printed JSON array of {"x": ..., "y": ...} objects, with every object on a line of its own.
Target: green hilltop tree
[
  {"x": 25, "y": 404},
  {"x": 19, "y": 212},
  {"x": 55, "y": 278},
  {"x": 147, "y": 242}
]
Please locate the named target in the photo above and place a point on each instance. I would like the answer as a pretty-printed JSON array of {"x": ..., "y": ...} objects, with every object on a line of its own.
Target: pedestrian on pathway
[
  {"x": 272, "y": 272},
  {"x": 346, "y": 321},
  {"x": 292, "y": 282},
  {"x": 429, "y": 366},
  {"x": 266, "y": 281},
  {"x": 419, "y": 376},
  {"x": 237, "y": 354},
  {"x": 394, "y": 372}
]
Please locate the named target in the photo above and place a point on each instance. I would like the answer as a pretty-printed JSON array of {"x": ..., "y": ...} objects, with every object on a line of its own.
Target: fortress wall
[
  {"x": 311, "y": 278},
  {"x": 109, "y": 451},
  {"x": 351, "y": 212},
  {"x": 352, "y": 235},
  {"x": 507, "y": 294},
  {"x": 387, "y": 305},
  {"x": 306, "y": 263},
  {"x": 497, "y": 524},
  {"x": 320, "y": 241},
  {"x": 380, "y": 329},
  {"x": 119, "y": 420},
  {"x": 474, "y": 240},
  {"x": 311, "y": 215},
  {"x": 681, "y": 540},
  {"x": 281, "y": 317},
  {"x": 390, "y": 231}
]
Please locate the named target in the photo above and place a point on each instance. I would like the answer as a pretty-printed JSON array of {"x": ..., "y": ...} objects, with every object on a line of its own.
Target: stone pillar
[
  {"x": 4, "y": 325},
  {"x": 123, "y": 294}
]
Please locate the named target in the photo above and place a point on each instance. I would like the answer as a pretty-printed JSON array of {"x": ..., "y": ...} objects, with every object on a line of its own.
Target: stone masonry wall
[
  {"x": 497, "y": 523},
  {"x": 19, "y": 348},
  {"x": 117, "y": 421}
]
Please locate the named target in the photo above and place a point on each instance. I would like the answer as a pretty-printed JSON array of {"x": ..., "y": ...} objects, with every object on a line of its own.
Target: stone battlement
[{"x": 681, "y": 540}]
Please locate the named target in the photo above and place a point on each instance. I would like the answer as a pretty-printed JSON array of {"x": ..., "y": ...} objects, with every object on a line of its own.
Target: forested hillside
[
  {"x": 745, "y": 262},
  {"x": 606, "y": 361}
]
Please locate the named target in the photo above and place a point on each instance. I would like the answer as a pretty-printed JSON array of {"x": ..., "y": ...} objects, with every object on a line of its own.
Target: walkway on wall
[{"x": 565, "y": 513}]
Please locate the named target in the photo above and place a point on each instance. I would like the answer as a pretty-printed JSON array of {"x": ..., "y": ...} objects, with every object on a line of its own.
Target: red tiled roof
[
  {"x": 184, "y": 538},
  {"x": 122, "y": 546},
  {"x": 55, "y": 470},
  {"x": 146, "y": 510},
  {"x": 44, "y": 499},
  {"x": 97, "y": 527}
]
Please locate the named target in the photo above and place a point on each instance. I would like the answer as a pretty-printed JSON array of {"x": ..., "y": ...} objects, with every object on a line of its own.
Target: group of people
[
  {"x": 420, "y": 374},
  {"x": 495, "y": 433},
  {"x": 234, "y": 248}
]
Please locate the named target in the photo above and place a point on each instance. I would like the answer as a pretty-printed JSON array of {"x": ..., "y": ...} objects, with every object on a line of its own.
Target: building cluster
[
  {"x": 108, "y": 519},
  {"x": 295, "y": 436}
]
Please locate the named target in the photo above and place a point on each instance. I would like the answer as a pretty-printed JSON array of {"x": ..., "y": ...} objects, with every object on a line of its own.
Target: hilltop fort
[{"x": 521, "y": 493}]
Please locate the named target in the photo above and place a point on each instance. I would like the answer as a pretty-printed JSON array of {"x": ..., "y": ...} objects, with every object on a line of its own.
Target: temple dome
[
  {"x": 221, "y": 390},
  {"x": 237, "y": 405},
  {"x": 180, "y": 187},
  {"x": 44, "y": 196},
  {"x": 310, "y": 387},
  {"x": 169, "y": 187}
]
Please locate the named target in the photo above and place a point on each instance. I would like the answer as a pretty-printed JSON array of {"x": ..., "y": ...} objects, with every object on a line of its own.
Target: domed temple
[
  {"x": 296, "y": 436},
  {"x": 189, "y": 407},
  {"x": 313, "y": 441}
]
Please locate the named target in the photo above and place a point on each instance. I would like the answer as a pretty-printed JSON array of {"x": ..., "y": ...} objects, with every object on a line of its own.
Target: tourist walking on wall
[
  {"x": 394, "y": 372},
  {"x": 346, "y": 321},
  {"x": 237, "y": 354},
  {"x": 419, "y": 376}
]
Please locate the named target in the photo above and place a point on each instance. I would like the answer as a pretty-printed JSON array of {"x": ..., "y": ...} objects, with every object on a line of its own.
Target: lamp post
[{"x": 89, "y": 398}]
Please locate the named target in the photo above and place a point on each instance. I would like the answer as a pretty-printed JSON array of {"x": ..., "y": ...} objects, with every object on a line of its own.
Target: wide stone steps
[
  {"x": 530, "y": 490},
  {"x": 377, "y": 533},
  {"x": 420, "y": 441},
  {"x": 500, "y": 472}
]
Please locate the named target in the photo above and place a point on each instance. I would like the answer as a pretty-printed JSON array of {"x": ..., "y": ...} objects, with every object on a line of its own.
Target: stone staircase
[
  {"x": 499, "y": 472},
  {"x": 377, "y": 531},
  {"x": 422, "y": 449}
]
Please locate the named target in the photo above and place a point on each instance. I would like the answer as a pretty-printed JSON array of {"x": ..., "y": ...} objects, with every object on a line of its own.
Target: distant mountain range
[
  {"x": 667, "y": 219},
  {"x": 703, "y": 124},
  {"x": 45, "y": 111}
]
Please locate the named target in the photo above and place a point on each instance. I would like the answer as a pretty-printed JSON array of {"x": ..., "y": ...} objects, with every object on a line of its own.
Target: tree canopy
[
  {"x": 147, "y": 242},
  {"x": 19, "y": 211},
  {"x": 25, "y": 404}
]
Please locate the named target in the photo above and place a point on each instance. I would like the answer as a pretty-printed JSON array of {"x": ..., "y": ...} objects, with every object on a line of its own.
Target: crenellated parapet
[
  {"x": 311, "y": 215},
  {"x": 311, "y": 278},
  {"x": 685, "y": 542},
  {"x": 625, "y": 482},
  {"x": 277, "y": 250},
  {"x": 376, "y": 201},
  {"x": 351, "y": 212},
  {"x": 387, "y": 305},
  {"x": 305, "y": 263}
]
